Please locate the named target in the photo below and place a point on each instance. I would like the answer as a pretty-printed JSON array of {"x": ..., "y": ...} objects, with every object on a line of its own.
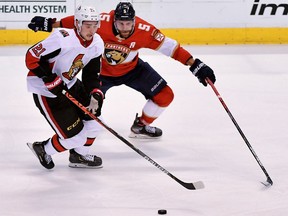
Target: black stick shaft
[
  {"x": 269, "y": 180},
  {"x": 190, "y": 186}
]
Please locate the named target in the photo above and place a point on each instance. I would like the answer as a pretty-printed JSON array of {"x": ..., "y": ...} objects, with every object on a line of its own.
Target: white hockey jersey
[{"x": 65, "y": 53}]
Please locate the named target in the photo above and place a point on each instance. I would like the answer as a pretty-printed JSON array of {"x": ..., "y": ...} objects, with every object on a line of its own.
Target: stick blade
[
  {"x": 199, "y": 185},
  {"x": 268, "y": 182},
  {"x": 194, "y": 186}
]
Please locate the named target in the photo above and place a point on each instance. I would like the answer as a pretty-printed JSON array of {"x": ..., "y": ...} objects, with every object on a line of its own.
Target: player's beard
[{"x": 125, "y": 34}]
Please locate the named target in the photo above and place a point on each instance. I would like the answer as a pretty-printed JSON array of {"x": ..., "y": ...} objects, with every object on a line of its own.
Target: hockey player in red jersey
[
  {"x": 53, "y": 66},
  {"x": 124, "y": 34}
]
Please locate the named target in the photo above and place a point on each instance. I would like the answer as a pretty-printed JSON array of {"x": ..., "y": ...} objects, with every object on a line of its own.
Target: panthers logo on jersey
[{"x": 115, "y": 53}]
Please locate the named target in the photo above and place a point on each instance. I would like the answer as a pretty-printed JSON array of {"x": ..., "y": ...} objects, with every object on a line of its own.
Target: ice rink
[{"x": 199, "y": 142}]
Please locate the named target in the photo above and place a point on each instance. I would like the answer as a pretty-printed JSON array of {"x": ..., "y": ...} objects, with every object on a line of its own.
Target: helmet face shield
[{"x": 124, "y": 11}]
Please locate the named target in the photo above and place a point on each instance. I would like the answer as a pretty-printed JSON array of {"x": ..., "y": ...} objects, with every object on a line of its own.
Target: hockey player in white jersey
[
  {"x": 124, "y": 34},
  {"x": 53, "y": 66}
]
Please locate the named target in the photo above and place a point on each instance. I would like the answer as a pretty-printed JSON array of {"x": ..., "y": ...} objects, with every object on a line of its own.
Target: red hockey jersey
[{"x": 121, "y": 55}]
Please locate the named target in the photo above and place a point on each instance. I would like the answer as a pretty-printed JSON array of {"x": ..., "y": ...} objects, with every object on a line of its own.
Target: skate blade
[
  {"x": 30, "y": 145},
  {"x": 141, "y": 136},
  {"x": 83, "y": 166}
]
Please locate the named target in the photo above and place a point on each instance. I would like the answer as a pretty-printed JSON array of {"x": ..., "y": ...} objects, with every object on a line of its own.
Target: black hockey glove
[
  {"x": 202, "y": 71},
  {"x": 96, "y": 102},
  {"x": 54, "y": 84},
  {"x": 39, "y": 23}
]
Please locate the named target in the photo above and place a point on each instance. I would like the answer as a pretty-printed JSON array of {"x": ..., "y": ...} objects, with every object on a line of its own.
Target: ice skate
[
  {"x": 38, "y": 150},
  {"x": 81, "y": 161},
  {"x": 142, "y": 131}
]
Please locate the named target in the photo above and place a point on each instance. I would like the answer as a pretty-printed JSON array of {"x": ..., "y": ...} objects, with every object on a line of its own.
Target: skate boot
[
  {"x": 84, "y": 161},
  {"x": 142, "y": 131},
  {"x": 38, "y": 150}
]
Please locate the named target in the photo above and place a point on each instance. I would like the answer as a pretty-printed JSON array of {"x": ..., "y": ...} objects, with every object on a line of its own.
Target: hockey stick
[
  {"x": 269, "y": 181},
  {"x": 190, "y": 186}
]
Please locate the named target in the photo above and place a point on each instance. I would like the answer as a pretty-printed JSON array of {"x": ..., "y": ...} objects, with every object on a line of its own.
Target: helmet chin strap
[
  {"x": 116, "y": 26},
  {"x": 79, "y": 31},
  {"x": 82, "y": 37}
]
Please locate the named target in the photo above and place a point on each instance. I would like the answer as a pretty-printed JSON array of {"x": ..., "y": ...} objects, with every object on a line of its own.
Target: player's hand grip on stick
[
  {"x": 202, "y": 71},
  {"x": 54, "y": 84},
  {"x": 96, "y": 102}
]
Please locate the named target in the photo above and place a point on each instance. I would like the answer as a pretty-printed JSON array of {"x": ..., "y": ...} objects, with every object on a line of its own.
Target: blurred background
[{"x": 188, "y": 21}]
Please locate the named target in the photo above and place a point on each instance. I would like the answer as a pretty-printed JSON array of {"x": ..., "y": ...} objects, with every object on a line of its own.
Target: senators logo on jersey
[
  {"x": 75, "y": 68},
  {"x": 115, "y": 54}
]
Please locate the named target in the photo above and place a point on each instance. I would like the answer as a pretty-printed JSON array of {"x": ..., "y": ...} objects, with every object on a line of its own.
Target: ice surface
[{"x": 200, "y": 142}]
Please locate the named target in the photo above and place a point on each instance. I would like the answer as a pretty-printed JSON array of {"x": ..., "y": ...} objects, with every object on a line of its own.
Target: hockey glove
[
  {"x": 39, "y": 23},
  {"x": 202, "y": 71},
  {"x": 54, "y": 84},
  {"x": 96, "y": 102}
]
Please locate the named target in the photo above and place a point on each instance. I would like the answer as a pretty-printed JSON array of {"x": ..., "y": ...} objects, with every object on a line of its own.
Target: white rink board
[{"x": 162, "y": 13}]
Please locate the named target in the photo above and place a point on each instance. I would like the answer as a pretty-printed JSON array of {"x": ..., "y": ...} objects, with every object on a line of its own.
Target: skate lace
[
  {"x": 150, "y": 129},
  {"x": 88, "y": 157}
]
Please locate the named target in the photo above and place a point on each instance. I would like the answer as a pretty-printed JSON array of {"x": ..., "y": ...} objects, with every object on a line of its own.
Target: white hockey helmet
[{"x": 85, "y": 13}]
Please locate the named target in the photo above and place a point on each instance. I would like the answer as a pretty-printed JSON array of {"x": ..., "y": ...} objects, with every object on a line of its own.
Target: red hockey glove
[
  {"x": 202, "y": 71},
  {"x": 54, "y": 84},
  {"x": 96, "y": 102}
]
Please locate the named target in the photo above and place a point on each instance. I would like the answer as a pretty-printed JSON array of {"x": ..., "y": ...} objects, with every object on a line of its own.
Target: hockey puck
[{"x": 162, "y": 211}]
